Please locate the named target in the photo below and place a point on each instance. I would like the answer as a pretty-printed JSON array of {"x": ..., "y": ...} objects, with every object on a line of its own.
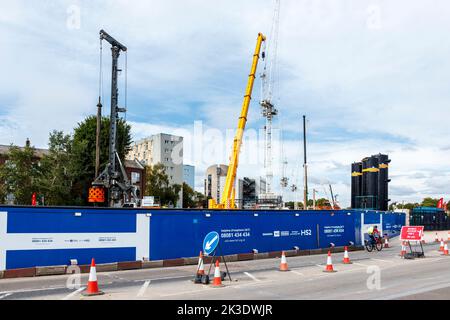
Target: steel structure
[
  {"x": 227, "y": 200},
  {"x": 114, "y": 178}
]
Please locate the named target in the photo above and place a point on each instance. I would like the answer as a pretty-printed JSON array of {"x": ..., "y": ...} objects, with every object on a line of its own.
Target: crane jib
[{"x": 228, "y": 196}]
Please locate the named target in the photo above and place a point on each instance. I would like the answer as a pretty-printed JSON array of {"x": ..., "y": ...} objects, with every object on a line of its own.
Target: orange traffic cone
[
  {"x": 436, "y": 239},
  {"x": 441, "y": 248},
  {"x": 346, "y": 257},
  {"x": 386, "y": 242},
  {"x": 217, "y": 276},
  {"x": 329, "y": 267},
  {"x": 445, "y": 250},
  {"x": 403, "y": 252},
  {"x": 283, "y": 264},
  {"x": 92, "y": 287},
  {"x": 200, "y": 266}
]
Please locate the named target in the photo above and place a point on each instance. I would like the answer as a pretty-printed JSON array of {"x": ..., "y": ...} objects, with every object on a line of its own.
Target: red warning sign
[{"x": 411, "y": 233}]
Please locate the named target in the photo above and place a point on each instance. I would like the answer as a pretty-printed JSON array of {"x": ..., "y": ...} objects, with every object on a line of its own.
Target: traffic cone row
[
  {"x": 386, "y": 242},
  {"x": 329, "y": 267},
  {"x": 283, "y": 264},
  {"x": 200, "y": 266},
  {"x": 92, "y": 287},
  {"x": 346, "y": 257},
  {"x": 441, "y": 247},
  {"x": 217, "y": 282},
  {"x": 445, "y": 250},
  {"x": 403, "y": 251}
]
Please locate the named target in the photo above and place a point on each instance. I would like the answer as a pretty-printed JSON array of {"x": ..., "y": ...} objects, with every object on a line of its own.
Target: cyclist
[{"x": 374, "y": 233}]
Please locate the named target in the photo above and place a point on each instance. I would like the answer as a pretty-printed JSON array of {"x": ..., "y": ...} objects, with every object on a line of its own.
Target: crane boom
[{"x": 228, "y": 195}]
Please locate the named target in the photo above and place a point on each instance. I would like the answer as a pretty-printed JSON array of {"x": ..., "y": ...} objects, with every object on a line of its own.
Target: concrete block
[
  {"x": 303, "y": 252},
  {"x": 290, "y": 253},
  {"x": 85, "y": 268},
  {"x": 190, "y": 261},
  {"x": 107, "y": 267},
  {"x": 316, "y": 251},
  {"x": 263, "y": 255},
  {"x": 1, "y": 274},
  {"x": 338, "y": 249},
  {"x": 245, "y": 256},
  {"x": 131, "y": 265},
  {"x": 275, "y": 254},
  {"x": 173, "y": 263},
  {"x": 231, "y": 258},
  {"x": 19, "y": 273},
  {"x": 50, "y": 271},
  {"x": 152, "y": 264}
]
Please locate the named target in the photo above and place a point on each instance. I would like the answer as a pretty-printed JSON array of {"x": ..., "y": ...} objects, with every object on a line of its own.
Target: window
[{"x": 135, "y": 177}]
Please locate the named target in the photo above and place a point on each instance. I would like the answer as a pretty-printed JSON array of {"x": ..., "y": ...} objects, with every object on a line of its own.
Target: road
[{"x": 376, "y": 275}]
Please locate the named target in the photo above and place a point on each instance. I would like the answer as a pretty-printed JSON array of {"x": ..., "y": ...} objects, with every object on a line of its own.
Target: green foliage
[
  {"x": 429, "y": 202},
  {"x": 158, "y": 186},
  {"x": 20, "y": 174},
  {"x": 83, "y": 152},
  {"x": 192, "y": 198},
  {"x": 56, "y": 178}
]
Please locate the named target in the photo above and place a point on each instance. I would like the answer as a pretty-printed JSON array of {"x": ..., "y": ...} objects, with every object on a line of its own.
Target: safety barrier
[{"x": 33, "y": 237}]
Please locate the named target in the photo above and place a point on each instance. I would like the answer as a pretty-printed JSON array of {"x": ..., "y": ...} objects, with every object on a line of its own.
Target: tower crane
[
  {"x": 267, "y": 87},
  {"x": 227, "y": 200}
]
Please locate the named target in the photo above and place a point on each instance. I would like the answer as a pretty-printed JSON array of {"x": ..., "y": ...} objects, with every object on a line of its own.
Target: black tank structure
[
  {"x": 383, "y": 181},
  {"x": 356, "y": 184}
]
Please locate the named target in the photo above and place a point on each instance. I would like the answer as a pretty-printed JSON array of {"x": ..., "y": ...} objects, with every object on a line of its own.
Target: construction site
[{"x": 288, "y": 228}]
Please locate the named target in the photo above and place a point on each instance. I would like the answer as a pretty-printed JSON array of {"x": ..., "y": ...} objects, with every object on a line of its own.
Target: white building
[{"x": 165, "y": 149}]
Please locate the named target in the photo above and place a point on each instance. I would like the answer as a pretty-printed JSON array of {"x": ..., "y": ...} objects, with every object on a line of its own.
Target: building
[
  {"x": 165, "y": 149},
  {"x": 4, "y": 152},
  {"x": 215, "y": 181},
  {"x": 136, "y": 174},
  {"x": 189, "y": 175}
]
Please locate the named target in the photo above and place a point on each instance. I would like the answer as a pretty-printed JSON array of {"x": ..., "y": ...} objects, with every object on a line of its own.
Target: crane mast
[
  {"x": 268, "y": 107},
  {"x": 228, "y": 195}
]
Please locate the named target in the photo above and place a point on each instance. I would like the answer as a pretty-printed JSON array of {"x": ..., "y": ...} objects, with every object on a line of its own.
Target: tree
[
  {"x": 19, "y": 175},
  {"x": 83, "y": 152},
  {"x": 57, "y": 177},
  {"x": 429, "y": 202},
  {"x": 192, "y": 198},
  {"x": 158, "y": 185}
]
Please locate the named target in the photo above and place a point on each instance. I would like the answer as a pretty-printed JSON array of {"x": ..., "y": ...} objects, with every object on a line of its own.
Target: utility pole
[
  {"x": 314, "y": 199},
  {"x": 305, "y": 166}
]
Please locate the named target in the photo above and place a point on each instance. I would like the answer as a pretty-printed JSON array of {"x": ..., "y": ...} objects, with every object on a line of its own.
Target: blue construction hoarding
[{"x": 40, "y": 236}]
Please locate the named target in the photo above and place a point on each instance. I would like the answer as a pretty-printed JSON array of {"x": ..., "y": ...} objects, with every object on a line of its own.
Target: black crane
[{"x": 113, "y": 177}]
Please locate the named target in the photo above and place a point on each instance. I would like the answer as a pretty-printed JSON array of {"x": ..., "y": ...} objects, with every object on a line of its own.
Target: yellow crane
[{"x": 228, "y": 196}]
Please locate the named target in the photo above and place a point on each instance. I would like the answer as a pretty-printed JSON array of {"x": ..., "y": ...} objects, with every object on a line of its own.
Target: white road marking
[
  {"x": 69, "y": 296},
  {"x": 143, "y": 288},
  {"x": 417, "y": 291},
  {"x": 296, "y": 272},
  {"x": 381, "y": 260},
  {"x": 361, "y": 264},
  {"x": 5, "y": 295},
  {"x": 251, "y": 276}
]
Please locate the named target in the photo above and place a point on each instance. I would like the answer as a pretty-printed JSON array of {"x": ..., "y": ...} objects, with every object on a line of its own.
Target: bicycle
[{"x": 371, "y": 245}]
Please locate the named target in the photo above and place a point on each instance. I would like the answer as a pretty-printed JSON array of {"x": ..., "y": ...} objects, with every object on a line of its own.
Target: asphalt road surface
[{"x": 376, "y": 275}]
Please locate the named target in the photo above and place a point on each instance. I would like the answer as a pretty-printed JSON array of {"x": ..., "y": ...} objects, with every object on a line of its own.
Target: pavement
[{"x": 377, "y": 275}]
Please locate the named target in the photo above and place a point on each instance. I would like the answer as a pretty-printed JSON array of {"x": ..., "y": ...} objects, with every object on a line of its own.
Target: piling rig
[{"x": 113, "y": 178}]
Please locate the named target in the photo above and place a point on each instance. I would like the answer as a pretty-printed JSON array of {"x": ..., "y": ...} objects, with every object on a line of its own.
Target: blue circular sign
[{"x": 210, "y": 242}]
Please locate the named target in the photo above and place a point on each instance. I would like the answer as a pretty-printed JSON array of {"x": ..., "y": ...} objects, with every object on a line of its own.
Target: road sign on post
[{"x": 210, "y": 242}]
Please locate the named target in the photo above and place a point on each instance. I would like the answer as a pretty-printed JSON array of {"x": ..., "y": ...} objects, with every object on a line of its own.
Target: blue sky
[{"x": 371, "y": 76}]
